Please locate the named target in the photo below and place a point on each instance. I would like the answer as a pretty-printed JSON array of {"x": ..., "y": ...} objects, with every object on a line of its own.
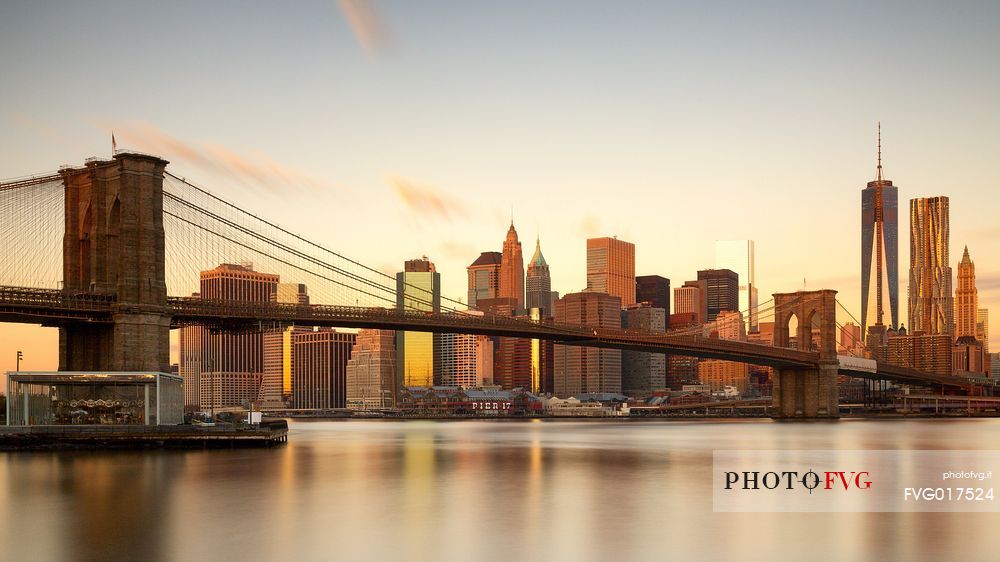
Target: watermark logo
[
  {"x": 853, "y": 481},
  {"x": 810, "y": 480}
]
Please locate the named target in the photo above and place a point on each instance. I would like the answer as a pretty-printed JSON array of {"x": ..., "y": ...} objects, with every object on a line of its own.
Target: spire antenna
[
  {"x": 879, "y": 171},
  {"x": 879, "y": 228}
]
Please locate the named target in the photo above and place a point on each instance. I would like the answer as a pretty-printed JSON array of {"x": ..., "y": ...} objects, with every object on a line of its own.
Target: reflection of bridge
[{"x": 113, "y": 311}]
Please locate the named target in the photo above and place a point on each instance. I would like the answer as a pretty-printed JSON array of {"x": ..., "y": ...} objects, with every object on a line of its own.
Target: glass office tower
[
  {"x": 879, "y": 250},
  {"x": 418, "y": 287},
  {"x": 611, "y": 268}
]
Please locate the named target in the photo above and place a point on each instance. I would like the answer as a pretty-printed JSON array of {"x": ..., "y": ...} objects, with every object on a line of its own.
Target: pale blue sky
[{"x": 669, "y": 124}]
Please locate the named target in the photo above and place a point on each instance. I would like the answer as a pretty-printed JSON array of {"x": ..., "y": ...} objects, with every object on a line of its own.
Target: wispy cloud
[
  {"x": 254, "y": 169},
  {"x": 988, "y": 283},
  {"x": 388, "y": 268},
  {"x": 590, "y": 226},
  {"x": 368, "y": 25},
  {"x": 458, "y": 250},
  {"x": 43, "y": 130},
  {"x": 426, "y": 199}
]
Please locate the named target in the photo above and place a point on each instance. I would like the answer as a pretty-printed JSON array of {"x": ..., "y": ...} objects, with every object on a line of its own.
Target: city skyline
[
  {"x": 558, "y": 180},
  {"x": 100, "y": 260},
  {"x": 456, "y": 357},
  {"x": 268, "y": 288}
]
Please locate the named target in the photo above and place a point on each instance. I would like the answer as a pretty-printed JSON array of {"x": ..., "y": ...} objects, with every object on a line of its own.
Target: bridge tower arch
[
  {"x": 114, "y": 244},
  {"x": 801, "y": 392}
]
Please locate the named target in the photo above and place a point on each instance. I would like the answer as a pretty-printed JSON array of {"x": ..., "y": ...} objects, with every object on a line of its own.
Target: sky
[{"x": 393, "y": 129}]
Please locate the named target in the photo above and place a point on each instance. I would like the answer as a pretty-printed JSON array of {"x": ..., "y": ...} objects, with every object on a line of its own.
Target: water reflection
[{"x": 467, "y": 490}]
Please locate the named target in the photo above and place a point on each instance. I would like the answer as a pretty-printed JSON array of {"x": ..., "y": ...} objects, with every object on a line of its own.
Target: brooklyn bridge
[{"x": 108, "y": 253}]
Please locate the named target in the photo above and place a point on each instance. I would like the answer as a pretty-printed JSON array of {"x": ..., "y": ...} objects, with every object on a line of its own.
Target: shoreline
[
  {"x": 625, "y": 419},
  {"x": 33, "y": 438}
]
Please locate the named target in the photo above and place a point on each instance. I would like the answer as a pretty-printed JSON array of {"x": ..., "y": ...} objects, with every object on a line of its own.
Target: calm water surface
[{"x": 369, "y": 490}]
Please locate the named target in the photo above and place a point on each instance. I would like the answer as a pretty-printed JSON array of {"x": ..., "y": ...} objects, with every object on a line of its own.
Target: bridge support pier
[
  {"x": 114, "y": 244},
  {"x": 83, "y": 347},
  {"x": 808, "y": 392}
]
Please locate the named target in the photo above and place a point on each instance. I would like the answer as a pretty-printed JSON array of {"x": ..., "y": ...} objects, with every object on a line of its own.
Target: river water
[{"x": 469, "y": 490}]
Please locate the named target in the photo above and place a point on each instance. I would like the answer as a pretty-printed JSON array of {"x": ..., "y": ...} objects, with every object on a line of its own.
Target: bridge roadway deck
[
  {"x": 264, "y": 315},
  {"x": 906, "y": 375},
  {"x": 54, "y": 307}
]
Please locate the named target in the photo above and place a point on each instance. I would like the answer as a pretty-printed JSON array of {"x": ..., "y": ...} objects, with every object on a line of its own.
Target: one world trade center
[{"x": 879, "y": 250}]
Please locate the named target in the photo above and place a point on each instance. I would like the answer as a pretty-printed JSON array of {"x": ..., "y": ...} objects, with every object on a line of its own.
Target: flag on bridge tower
[{"x": 114, "y": 145}]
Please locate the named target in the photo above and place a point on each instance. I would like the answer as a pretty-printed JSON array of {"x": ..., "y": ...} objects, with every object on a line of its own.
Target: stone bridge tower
[
  {"x": 801, "y": 392},
  {"x": 114, "y": 244}
]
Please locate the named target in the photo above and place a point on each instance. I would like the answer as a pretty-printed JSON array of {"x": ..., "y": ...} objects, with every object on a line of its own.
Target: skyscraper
[
  {"x": 418, "y": 287},
  {"x": 542, "y": 354},
  {"x": 968, "y": 357},
  {"x": 511, "y": 360},
  {"x": 728, "y": 325},
  {"x": 970, "y": 353},
  {"x": 587, "y": 369},
  {"x": 276, "y": 383},
  {"x": 291, "y": 293},
  {"x": 461, "y": 359},
  {"x": 851, "y": 342},
  {"x": 691, "y": 299},
  {"x": 642, "y": 373},
  {"x": 682, "y": 370},
  {"x": 191, "y": 343},
  {"x": 319, "y": 372},
  {"x": 611, "y": 268},
  {"x": 654, "y": 290},
  {"x": 722, "y": 291},
  {"x": 738, "y": 256},
  {"x": 371, "y": 370},
  {"x": 457, "y": 360},
  {"x": 966, "y": 298},
  {"x": 538, "y": 282},
  {"x": 225, "y": 368},
  {"x": 485, "y": 359},
  {"x": 879, "y": 245},
  {"x": 512, "y": 268},
  {"x": 484, "y": 277},
  {"x": 513, "y": 368},
  {"x": 279, "y": 361},
  {"x": 924, "y": 352},
  {"x": 719, "y": 374},
  {"x": 765, "y": 333},
  {"x": 930, "y": 296}
]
